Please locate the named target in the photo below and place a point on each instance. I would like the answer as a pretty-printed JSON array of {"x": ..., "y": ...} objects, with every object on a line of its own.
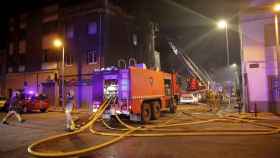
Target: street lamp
[
  {"x": 276, "y": 10},
  {"x": 234, "y": 65},
  {"x": 222, "y": 24},
  {"x": 59, "y": 44},
  {"x": 276, "y": 7}
]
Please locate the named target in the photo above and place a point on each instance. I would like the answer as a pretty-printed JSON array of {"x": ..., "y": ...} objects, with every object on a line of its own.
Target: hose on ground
[
  {"x": 32, "y": 151},
  {"x": 131, "y": 131},
  {"x": 186, "y": 132}
]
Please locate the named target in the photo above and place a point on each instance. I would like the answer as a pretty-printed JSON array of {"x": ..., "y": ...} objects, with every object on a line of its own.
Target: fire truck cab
[{"x": 141, "y": 93}]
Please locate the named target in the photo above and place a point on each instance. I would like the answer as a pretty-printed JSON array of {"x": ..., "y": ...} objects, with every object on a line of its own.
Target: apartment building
[
  {"x": 95, "y": 34},
  {"x": 259, "y": 57}
]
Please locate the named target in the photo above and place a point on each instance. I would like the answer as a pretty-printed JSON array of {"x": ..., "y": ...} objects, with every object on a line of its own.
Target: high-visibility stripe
[{"x": 146, "y": 97}]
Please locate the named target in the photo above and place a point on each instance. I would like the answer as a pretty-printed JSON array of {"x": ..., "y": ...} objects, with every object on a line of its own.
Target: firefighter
[
  {"x": 210, "y": 100},
  {"x": 70, "y": 125},
  {"x": 14, "y": 108},
  {"x": 238, "y": 101},
  {"x": 213, "y": 101},
  {"x": 216, "y": 102}
]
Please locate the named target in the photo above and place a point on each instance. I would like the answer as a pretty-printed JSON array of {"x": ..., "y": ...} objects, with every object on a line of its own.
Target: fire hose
[
  {"x": 94, "y": 117},
  {"x": 183, "y": 132},
  {"x": 130, "y": 131}
]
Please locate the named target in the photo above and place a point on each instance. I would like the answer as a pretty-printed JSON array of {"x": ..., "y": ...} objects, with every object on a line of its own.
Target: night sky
[
  {"x": 191, "y": 23},
  {"x": 10, "y": 8}
]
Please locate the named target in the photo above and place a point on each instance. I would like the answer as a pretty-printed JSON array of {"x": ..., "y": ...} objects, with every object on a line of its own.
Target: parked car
[
  {"x": 189, "y": 98},
  {"x": 3, "y": 102},
  {"x": 30, "y": 103}
]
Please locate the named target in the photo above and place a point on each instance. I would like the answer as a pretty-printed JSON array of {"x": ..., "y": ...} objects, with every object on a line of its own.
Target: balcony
[{"x": 49, "y": 66}]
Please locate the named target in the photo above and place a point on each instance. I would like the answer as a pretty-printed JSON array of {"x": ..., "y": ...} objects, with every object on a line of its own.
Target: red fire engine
[{"x": 141, "y": 93}]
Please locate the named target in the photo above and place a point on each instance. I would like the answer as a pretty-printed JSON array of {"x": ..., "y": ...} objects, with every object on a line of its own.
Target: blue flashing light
[{"x": 31, "y": 92}]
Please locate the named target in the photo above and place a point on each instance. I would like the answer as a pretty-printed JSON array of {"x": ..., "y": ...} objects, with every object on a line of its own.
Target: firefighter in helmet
[{"x": 70, "y": 125}]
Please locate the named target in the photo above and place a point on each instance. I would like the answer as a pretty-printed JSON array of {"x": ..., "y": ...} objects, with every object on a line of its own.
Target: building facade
[
  {"x": 96, "y": 34},
  {"x": 2, "y": 71},
  {"x": 259, "y": 57}
]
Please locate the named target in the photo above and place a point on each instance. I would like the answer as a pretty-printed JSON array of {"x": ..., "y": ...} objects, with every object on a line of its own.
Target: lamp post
[
  {"x": 276, "y": 9},
  {"x": 59, "y": 44},
  {"x": 235, "y": 70},
  {"x": 222, "y": 24}
]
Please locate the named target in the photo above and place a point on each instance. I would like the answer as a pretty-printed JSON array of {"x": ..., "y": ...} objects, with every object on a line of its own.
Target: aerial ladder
[{"x": 196, "y": 71}]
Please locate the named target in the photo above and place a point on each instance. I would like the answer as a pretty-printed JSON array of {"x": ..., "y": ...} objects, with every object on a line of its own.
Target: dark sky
[
  {"x": 190, "y": 22},
  {"x": 10, "y": 8}
]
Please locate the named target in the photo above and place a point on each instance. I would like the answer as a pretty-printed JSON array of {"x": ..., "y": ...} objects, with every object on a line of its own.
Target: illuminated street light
[
  {"x": 234, "y": 65},
  {"x": 222, "y": 24},
  {"x": 276, "y": 7},
  {"x": 59, "y": 44}
]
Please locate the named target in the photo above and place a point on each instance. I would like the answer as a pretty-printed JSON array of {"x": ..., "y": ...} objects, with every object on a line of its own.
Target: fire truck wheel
[
  {"x": 146, "y": 113},
  {"x": 156, "y": 111}
]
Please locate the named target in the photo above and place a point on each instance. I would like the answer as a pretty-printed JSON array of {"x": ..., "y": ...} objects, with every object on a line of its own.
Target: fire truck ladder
[{"x": 200, "y": 73}]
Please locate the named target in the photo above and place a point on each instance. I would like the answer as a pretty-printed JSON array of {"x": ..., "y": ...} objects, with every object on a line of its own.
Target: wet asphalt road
[{"x": 15, "y": 138}]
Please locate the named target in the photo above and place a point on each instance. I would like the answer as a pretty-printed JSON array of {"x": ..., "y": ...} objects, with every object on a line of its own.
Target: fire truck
[{"x": 142, "y": 94}]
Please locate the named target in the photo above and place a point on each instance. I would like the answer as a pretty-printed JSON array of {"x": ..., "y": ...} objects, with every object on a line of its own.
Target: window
[
  {"x": 11, "y": 28},
  {"x": 50, "y": 18},
  {"x": 23, "y": 19},
  {"x": 23, "y": 16},
  {"x": 122, "y": 63},
  {"x": 22, "y": 46},
  {"x": 50, "y": 55},
  {"x": 68, "y": 60},
  {"x": 11, "y": 24},
  {"x": 92, "y": 28},
  {"x": 134, "y": 39},
  {"x": 70, "y": 31},
  {"x": 22, "y": 25},
  {"x": 167, "y": 87},
  {"x": 132, "y": 62},
  {"x": 11, "y": 48},
  {"x": 11, "y": 20},
  {"x": 10, "y": 69},
  {"x": 45, "y": 56},
  {"x": 21, "y": 68},
  {"x": 50, "y": 13},
  {"x": 91, "y": 57}
]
